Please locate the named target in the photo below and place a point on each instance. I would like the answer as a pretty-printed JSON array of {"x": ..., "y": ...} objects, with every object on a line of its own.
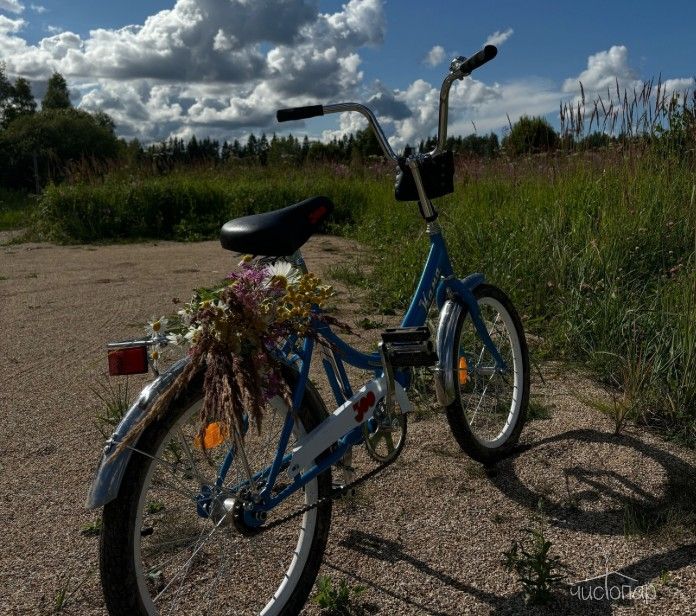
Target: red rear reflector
[{"x": 131, "y": 360}]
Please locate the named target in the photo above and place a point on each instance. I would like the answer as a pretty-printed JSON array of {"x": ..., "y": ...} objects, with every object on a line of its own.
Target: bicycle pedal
[
  {"x": 409, "y": 347},
  {"x": 402, "y": 335}
]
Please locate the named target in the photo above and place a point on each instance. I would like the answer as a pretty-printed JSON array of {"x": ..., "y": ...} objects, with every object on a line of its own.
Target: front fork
[{"x": 459, "y": 289}]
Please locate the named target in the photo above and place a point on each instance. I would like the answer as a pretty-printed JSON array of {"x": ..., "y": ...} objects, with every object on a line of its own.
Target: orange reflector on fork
[
  {"x": 130, "y": 360},
  {"x": 463, "y": 371}
]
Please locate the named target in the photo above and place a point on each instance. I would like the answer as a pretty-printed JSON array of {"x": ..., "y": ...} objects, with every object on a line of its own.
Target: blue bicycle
[{"x": 240, "y": 526}]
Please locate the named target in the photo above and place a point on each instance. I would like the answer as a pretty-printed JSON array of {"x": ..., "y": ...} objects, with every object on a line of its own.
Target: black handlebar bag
[{"x": 437, "y": 173}]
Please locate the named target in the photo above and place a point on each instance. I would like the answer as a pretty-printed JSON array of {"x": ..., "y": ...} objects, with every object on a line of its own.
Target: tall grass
[
  {"x": 597, "y": 249},
  {"x": 192, "y": 205},
  {"x": 600, "y": 262},
  {"x": 647, "y": 111},
  {"x": 14, "y": 209}
]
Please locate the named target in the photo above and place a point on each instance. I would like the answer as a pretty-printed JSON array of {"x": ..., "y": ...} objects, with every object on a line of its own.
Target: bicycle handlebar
[
  {"x": 459, "y": 68},
  {"x": 478, "y": 59},
  {"x": 299, "y": 113}
]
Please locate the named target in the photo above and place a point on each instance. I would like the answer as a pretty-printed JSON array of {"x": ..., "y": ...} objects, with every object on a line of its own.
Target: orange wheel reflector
[
  {"x": 214, "y": 436},
  {"x": 463, "y": 371}
]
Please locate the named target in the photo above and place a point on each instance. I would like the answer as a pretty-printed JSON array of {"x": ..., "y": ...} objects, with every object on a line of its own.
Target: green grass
[
  {"x": 351, "y": 274},
  {"x": 67, "y": 590},
  {"x": 597, "y": 251},
  {"x": 92, "y": 529},
  {"x": 673, "y": 517},
  {"x": 599, "y": 261},
  {"x": 538, "y": 410},
  {"x": 192, "y": 205},
  {"x": 15, "y": 210},
  {"x": 155, "y": 507},
  {"x": 337, "y": 599},
  {"x": 530, "y": 558},
  {"x": 113, "y": 401}
]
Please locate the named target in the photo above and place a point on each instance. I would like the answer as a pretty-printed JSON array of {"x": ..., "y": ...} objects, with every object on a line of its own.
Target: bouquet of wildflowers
[{"x": 231, "y": 334}]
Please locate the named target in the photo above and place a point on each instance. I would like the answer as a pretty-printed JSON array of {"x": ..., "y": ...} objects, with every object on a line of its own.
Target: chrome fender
[
  {"x": 460, "y": 292},
  {"x": 444, "y": 342},
  {"x": 107, "y": 480}
]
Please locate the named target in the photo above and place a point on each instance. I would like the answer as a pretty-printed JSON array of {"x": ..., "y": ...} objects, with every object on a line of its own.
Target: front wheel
[
  {"x": 168, "y": 549},
  {"x": 490, "y": 406}
]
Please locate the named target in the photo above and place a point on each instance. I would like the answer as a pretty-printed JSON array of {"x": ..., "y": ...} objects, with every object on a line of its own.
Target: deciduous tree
[{"x": 57, "y": 95}]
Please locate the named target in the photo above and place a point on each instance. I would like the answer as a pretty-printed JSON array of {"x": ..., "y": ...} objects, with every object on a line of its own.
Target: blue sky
[{"x": 221, "y": 67}]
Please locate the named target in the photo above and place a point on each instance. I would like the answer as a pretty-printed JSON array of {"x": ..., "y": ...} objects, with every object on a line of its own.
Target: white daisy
[
  {"x": 157, "y": 327},
  {"x": 193, "y": 334},
  {"x": 283, "y": 272},
  {"x": 175, "y": 339}
]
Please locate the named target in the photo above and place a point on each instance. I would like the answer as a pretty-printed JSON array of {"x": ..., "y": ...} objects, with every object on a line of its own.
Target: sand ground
[{"x": 425, "y": 538}]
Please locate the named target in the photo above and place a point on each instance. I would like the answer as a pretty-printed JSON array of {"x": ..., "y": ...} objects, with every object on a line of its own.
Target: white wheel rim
[
  {"x": 300, "y": 555},
  {"x": 516, "y": 369}
]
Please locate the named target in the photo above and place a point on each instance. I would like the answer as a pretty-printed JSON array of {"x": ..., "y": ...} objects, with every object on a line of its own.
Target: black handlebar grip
[
  {"x": 299, "y": 113},
  {"x": 479, "y": 59}
]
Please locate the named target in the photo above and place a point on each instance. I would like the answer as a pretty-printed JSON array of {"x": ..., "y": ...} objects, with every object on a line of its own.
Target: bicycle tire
[
  {"x": 129, "y": 590},
  {"x": 471, "y": 388}
]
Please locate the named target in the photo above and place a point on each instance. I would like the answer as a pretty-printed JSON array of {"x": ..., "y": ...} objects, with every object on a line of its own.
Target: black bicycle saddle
[{"x": 278, "y": 233}]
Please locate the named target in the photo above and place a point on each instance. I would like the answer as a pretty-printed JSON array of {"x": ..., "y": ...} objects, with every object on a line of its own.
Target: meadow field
[{"x": 596, "y": 248}]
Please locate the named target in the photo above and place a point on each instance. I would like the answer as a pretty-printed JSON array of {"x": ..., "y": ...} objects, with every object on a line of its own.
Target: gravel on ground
[{"x": 426, "y": 537}]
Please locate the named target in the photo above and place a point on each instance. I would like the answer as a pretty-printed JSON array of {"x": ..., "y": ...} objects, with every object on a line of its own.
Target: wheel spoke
[
  {"x": 489, "y": 398},
  {"x": 190, "y": 554},
  {"x": 390, "y": 441},
  {"x": 187, "y": 565}
]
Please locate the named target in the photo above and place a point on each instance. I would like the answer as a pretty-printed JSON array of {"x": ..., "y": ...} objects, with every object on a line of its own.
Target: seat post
[{"x": 298, "y": 261}]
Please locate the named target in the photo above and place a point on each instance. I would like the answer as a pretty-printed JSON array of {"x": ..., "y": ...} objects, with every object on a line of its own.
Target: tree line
[
  {"x": 354, "y": 148},
  {"x": 39, "y": 146}
]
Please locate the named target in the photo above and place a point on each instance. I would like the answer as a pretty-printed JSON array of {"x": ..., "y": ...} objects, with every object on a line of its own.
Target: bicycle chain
[{"x": 335, "y": 494}]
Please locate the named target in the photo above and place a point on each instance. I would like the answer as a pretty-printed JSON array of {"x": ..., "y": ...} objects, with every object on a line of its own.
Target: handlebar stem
[
  {"x": 426, "y": 204},
  {"x": 454, "y": 74}
]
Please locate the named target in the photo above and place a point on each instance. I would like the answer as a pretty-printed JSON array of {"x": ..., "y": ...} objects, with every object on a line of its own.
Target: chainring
[{"x": 385, "y": 443}]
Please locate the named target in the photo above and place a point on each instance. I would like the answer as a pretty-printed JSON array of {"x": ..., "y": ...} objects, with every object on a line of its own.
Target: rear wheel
[
  {"x": 160, "y": 556},
  {"x": 490, "y": 407}
]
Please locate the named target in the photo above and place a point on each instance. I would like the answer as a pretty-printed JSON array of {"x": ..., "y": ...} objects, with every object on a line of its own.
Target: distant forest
[
  {"x": 278, "y": 149},
  {"x": 47, "y": 145}
]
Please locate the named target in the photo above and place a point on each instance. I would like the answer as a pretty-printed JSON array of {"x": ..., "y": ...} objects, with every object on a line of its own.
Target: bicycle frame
[
  {"x": 331, "y": 440},
  {"x": 437, "y": 283}
]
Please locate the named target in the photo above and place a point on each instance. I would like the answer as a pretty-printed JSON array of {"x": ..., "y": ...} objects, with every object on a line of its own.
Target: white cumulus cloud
[
  {"x": 604, "y": 70},
  {"x": 12, "y": 6},
  {"x": 499, "y": 37},
  {"x": 206, "y": 65},
  {"x": 678, "y": 86},
  {"x": 435, "y": 56},
  {"x": 10, "y": 26},
  {"x": 223, "y": 67}
]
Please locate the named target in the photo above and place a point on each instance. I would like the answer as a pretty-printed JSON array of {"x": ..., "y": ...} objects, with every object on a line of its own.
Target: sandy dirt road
[{"x": 426, "y": 538}]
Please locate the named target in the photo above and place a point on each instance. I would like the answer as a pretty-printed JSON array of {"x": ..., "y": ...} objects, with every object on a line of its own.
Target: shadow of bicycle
[
  {"x": 626, "y": 505},
  {"x": 375, "y": 547},
  {"x": 603, "y": 494}
]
